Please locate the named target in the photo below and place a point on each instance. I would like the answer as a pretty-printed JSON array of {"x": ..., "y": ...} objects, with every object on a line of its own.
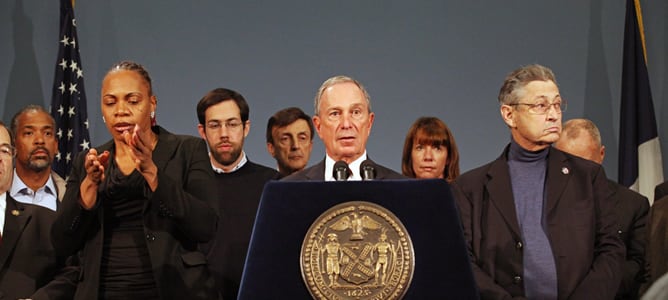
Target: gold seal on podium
[{"x": 357, "y": 250}]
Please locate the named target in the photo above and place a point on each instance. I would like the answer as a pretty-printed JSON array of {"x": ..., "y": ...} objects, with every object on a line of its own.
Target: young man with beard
[{"x": 223, "y": 123}]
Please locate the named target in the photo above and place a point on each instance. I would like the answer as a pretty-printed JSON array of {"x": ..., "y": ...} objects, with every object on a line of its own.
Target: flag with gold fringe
[{"x": 640, "y": 166}]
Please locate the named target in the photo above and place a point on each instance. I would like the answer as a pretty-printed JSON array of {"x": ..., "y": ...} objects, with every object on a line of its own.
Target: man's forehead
[
  {"x": 4, "y": 135},
  {"x": 224, "y": 111},
  {"x": 298, "y": 126}
]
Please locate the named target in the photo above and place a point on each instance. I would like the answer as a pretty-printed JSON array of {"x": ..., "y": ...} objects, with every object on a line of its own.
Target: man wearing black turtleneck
[
  {"x": 223, "y": 123},
  {"x": 538, "y": 222}
]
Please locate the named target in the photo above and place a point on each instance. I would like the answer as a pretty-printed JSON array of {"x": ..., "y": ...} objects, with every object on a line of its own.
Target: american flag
[{"x": 68, "y": 104}]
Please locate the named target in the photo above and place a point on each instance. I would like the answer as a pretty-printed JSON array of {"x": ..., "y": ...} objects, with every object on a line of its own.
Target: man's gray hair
[{"x": 336, "y": 80}]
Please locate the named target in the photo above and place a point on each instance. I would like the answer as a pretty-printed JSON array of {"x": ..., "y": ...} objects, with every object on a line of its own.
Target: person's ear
[
  {"x": 271, "y": 150},
  {"x": 508, "y": 114}
]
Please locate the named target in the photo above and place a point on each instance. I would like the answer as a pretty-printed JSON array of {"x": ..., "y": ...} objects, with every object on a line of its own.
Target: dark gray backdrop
[{"x": 416, "y": 58}]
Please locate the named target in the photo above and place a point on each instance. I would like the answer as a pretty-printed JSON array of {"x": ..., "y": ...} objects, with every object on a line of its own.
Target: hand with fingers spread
[
  {"x": 141, "y": 144},
  {"x": 95, "y": 165}
]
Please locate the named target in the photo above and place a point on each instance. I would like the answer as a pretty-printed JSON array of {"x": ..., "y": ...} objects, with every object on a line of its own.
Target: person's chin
[{"x": 551, "y": 137}]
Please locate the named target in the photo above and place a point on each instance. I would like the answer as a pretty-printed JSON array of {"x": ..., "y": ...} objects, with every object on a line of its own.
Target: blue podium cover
[{"x": 425, "y": 207}]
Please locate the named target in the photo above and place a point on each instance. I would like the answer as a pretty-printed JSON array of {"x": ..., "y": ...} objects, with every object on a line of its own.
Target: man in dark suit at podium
[
  {"x": 539, "y": 222},
  {"x": 343, "y": 120},
  {"x": 581, "y": 137}
]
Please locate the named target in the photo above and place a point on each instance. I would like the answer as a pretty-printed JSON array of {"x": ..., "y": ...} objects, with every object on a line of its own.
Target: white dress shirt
[{"x": 354, "y": 168}]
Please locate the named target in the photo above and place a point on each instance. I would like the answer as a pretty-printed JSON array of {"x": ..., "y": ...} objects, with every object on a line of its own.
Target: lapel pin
[
  {"x": 15, "y": 212},
  {"x": 565, "y": 171}
]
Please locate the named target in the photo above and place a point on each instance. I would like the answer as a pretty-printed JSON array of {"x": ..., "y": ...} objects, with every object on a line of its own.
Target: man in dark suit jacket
[
  {"x": 582, "y": 138},
  {"x": 343, "y": 120},
  {"x": 661, "y": 190},
  {"x": 29, "y": 266},
  {"x": 538, "y": 222},
  {"x": 657, "y": 233}
]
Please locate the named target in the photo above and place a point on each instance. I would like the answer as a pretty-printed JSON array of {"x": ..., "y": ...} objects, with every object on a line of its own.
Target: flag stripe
[{"x": 641, "y": 169}]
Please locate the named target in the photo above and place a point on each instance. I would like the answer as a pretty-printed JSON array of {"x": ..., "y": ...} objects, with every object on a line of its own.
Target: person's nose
[
  {"x": 428, "y": 154},
  {"x": 346, "y": 120},
  {"x": 39, "y": 138},
  {"x": 224, "y": 131},
  {"x": 552, "y": 113},
  {"x": 294, "y": 143},
  {"x": 120, "y": 109}
]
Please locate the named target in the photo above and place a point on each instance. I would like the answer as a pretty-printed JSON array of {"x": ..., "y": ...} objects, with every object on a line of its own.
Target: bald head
[{"x": 581, "y": 137}]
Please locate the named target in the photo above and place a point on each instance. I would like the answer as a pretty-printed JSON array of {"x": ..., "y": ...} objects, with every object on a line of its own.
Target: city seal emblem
[{"x": 357, "y": 250}]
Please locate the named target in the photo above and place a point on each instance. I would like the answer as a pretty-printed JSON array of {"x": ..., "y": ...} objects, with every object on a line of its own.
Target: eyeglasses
[
  {"x": 6, "y": 151},
  {"x": 543, "y": 107},
  {"x": 232, "y": 125}
]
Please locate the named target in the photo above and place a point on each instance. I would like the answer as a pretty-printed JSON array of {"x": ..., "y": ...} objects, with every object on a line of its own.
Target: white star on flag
[{"x": 69, "y": 93}]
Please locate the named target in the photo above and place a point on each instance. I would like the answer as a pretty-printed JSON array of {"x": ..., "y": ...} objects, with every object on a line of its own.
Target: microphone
[
  {"x": 368, "y": 170},
  {"x": 341, "y": 171}
]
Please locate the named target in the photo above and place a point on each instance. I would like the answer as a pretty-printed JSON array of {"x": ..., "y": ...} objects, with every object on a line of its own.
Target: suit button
[
  {"x": 517, "y": 279},
  {"x": 150, "y": 237},
  {"x": 518, "y": 245}
]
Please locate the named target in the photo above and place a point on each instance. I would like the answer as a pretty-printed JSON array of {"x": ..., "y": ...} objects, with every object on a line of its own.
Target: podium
[{"x": 426, "y": 208}]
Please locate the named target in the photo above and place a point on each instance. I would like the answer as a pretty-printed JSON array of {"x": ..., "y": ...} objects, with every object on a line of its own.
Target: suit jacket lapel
[
  {"x": 558, "y": 170},
  {"x": 380, "y": 172},
  {"x": 317, "y": 172},
  {"x": 166, "y": 150},
  {"x": 16, "y": 219},
  {"x": 499, "y": 189}
]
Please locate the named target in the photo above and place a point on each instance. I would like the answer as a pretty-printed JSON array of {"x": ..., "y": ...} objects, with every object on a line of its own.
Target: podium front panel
[{"x": 425, "y": 207}]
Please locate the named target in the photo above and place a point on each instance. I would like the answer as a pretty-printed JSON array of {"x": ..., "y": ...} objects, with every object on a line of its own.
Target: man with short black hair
[
  {"x": 29, "y": 266},
  {"x": 290, "y": 139},
  {"x": 223, "y": 122},
  {"x": 34, "y": 131}
]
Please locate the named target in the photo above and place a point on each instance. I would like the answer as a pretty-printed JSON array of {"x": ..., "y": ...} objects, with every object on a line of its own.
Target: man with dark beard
[
  {"x": 223, "y": 123},
  {"x": 36, "y": 146}
]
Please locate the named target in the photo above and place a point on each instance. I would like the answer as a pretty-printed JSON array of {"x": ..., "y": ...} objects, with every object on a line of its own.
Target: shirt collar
[
  {"x": 241, "y": 163},
  {"x": 3, "y": 208},
  {"x": 354, "y": 168},
  {"x": 20, "y": 188}
]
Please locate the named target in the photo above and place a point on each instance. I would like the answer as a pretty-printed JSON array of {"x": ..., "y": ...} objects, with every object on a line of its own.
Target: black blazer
[
  {"x": 660, "y": 190},
  {"x": 581, "y": 228},
  {"x": 317, "y": 172},
  {"x": 657, "y": 235},
  {"x": 177, "y": 215},
  {"x": 29, "y": 267},
  {"x": 631, "y": 209}
]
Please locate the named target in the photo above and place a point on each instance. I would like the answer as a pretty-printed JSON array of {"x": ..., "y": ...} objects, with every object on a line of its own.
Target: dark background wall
[{"x": 416, "y": 58}]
